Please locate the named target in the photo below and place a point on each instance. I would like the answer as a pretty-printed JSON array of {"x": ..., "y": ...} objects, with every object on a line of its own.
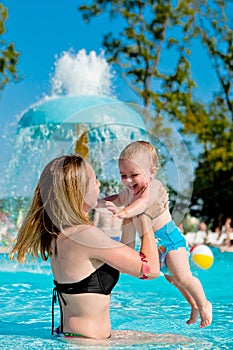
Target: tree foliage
[
  {"x": 138, "y": 47},
  {"x": 154, "y": 29},
  {"x": 8, "y": 56}
]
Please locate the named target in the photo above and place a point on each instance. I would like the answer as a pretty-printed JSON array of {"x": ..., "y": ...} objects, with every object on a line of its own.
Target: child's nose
[{"x": 129, "y": 179}]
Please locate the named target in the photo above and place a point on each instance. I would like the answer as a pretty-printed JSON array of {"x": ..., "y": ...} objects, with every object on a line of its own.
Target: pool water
[{"x": 148, "y": 306}]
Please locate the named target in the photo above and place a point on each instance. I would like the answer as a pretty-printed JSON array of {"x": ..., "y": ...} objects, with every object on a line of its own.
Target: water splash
[
  {"x": 82, "y": 74},
  {"x": 81, "y": 100}
]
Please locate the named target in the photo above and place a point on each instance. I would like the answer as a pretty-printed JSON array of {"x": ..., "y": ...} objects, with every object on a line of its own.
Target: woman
[{"x": 85, "y": 261}]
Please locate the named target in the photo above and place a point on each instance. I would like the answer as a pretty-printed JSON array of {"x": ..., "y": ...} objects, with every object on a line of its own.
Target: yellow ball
[{"x": 202, "y": 256}]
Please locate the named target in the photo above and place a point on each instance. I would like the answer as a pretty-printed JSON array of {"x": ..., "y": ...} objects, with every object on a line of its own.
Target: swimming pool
[{"x": 148, "y": 306}]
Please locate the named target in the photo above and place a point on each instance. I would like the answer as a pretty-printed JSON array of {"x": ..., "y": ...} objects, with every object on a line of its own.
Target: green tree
[
  {"x": 8, "y": 56},
  {"x": 138, "y": 48},
  {"x": 212, "y": 196},
  {"x": 151, "y": 30},
  {"x": 217, "y": 36},
  {"x": 213, "y": 124}
]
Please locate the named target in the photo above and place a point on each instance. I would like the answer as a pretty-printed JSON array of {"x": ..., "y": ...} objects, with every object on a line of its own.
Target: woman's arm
[
  {"x": 128, "y": 233},
  {"x": 148, "y": 242},
  {"x": 149, "y": 245},
  {"x": 100, "y": 246}
]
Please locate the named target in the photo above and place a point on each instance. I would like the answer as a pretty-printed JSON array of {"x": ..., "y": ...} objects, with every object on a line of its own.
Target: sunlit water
[{"x": 150, "y": 306}]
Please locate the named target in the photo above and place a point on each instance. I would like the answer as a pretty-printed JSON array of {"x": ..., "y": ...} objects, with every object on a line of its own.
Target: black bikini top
[{"x": 101, "y": 281}]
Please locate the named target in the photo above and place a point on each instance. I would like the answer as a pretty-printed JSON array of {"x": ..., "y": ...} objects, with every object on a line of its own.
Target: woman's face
[{"x": 93, "y": 191}]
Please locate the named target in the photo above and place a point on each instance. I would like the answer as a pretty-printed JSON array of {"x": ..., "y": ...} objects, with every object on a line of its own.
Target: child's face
[{"x": 135, "y": 173}]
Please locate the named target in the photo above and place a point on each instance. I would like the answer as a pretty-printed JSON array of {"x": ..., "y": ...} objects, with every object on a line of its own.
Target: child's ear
[{"x": 153, "y": 171}]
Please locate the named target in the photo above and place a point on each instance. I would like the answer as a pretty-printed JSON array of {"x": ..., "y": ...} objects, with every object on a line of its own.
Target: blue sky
[{"x": 42, "y": 30}]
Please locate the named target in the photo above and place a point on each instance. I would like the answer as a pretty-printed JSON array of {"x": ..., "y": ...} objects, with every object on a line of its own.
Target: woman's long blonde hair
[{"x": 57, "y": 203}]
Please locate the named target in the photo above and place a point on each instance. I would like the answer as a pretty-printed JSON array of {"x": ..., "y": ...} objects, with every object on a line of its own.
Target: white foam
[{"x": 82, "y": 74}]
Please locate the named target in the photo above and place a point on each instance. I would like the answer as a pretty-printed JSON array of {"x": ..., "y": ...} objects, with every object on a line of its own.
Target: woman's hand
[{"x": 160, "y": 205}]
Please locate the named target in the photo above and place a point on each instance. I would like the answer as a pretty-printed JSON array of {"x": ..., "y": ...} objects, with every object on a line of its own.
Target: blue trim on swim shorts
[{"x": 169, "y": 237}]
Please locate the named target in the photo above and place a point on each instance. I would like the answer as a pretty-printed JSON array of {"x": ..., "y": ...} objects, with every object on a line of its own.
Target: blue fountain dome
[{"x": 81, "y": 110}]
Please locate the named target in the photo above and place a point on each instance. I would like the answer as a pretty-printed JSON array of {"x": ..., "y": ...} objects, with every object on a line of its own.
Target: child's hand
[
  {"x": 116, "y": 211},
  {"x": 112, "y": 207}
]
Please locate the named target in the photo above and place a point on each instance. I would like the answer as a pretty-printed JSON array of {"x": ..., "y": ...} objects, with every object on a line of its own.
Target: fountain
[{"x": 80, "y": 115}]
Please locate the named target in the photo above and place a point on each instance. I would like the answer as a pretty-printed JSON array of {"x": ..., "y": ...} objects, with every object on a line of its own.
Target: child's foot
[
  {"x": 206, "y": 315},
  {"x": 193, "y": 316}
]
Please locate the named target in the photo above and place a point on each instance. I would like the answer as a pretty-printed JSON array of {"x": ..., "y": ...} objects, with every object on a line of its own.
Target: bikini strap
[{"x": 57, "y": 295}]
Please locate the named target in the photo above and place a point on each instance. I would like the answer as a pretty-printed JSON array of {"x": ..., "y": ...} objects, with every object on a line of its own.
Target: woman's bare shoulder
[
  {"x": 78, "y": 233},
  {"x": 89, "y": 236}
]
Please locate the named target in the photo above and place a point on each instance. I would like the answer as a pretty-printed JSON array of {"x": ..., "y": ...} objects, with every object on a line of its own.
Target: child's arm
[
  {"x": 118, "y": 199},
  {"x": 138, "y": 206}
]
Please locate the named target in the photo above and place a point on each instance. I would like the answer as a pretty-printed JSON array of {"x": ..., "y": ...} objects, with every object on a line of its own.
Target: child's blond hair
[{"x": 143, "y": 147}]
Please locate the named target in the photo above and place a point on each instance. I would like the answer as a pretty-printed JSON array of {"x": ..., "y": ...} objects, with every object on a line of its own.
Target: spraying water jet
[{"x": 80, "y": 115}]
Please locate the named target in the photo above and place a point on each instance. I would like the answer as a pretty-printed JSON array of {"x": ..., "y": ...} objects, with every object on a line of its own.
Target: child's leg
[
  {"x": 194, "y": 309},
  {"x": 178, "y": 264}
]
